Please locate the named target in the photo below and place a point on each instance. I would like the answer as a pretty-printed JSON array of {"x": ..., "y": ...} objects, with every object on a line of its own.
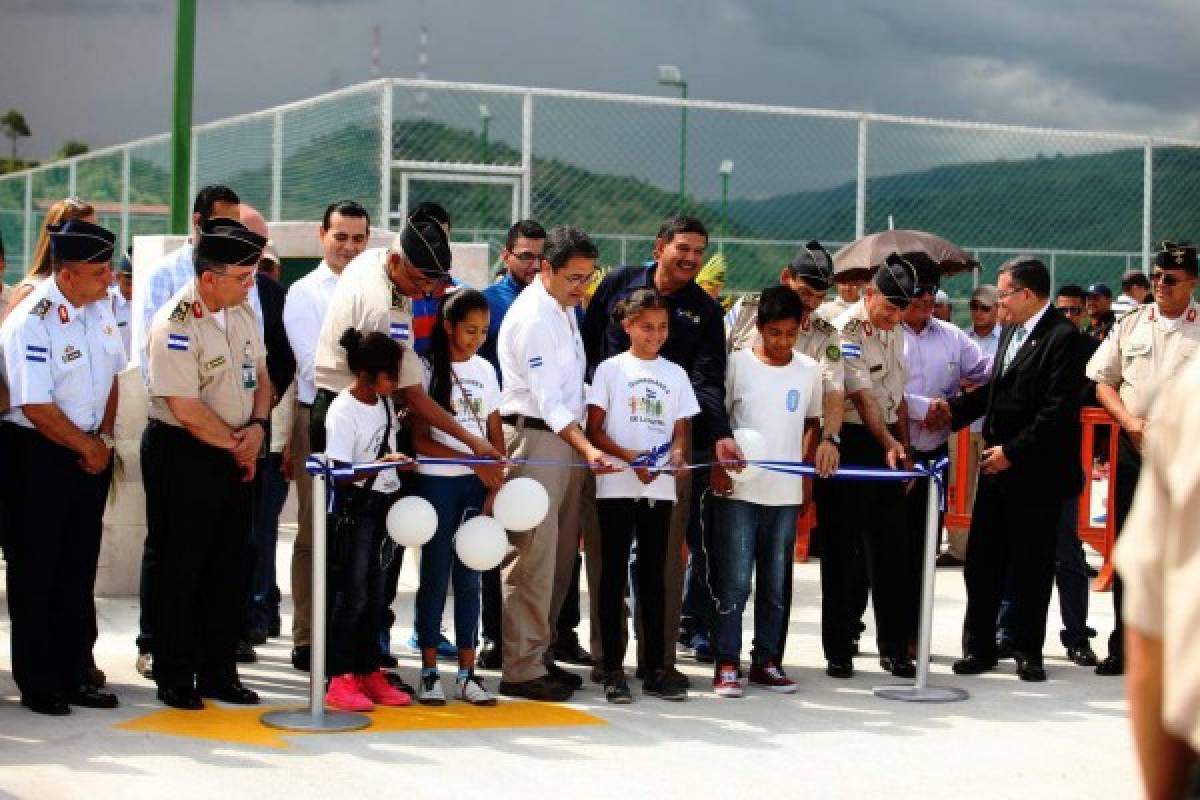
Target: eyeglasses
[
  {"x": 1007, "y": 293},
  {"x": 1071, "y": 311},
  {"x": 1164, "y": 278},
  {"x": 526, "y": 257},
  {"x": 579, "y": 280},
  {"x": 244, "y": 280},
  {"x": 980, "y": 307}
]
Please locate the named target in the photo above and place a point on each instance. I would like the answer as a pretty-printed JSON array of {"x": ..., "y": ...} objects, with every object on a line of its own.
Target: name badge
[
  {"x": 1137, "y": 349},
  {"x": 249, "y": 371}
]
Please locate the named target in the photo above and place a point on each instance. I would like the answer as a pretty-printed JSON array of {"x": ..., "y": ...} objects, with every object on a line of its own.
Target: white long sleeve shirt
[{"x": 303, "y": 312}]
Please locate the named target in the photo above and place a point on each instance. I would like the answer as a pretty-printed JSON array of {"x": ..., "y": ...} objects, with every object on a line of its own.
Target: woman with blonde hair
[{"x": 41, "y": 264}]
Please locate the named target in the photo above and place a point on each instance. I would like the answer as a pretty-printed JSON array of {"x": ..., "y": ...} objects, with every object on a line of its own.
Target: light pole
[
  {"x": 669, "y": 75},
  {"x": 485, "y": 119},
  {"x": 179, "y": 214},
  {"x": 726, "y": 169}
]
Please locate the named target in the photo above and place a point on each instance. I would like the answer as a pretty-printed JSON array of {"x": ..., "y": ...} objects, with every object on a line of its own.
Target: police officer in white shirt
[
  {"x": 344, "y": 231},
  {"x": 61, "y": 352},
  {"x": 121, "y": 294},
  {"x": 542, "y": 362}
]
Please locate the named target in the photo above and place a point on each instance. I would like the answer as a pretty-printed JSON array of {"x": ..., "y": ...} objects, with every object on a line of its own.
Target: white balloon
[
  {"x": 481, "y": 543},
  {"x": 754, "y": 448},
  {"x": 411, "y": 521},
  {"x": 521, "y": 504}
]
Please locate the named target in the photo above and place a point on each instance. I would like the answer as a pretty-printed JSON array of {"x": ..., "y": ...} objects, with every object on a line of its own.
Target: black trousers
[
  {"x": 53, "y": 546},
  {"x": 355, "y": 583},
  {"x": 1012, "y": 542},
  {"x": 915, "y": 506},
  {"x": 198, "y": 509},
  {"x": 1129, "y": 467},
  {"x": 621, "y": 522},
  {"x": 866, "y": 515}
]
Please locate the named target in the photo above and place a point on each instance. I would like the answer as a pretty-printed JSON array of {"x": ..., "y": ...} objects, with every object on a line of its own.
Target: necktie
[{"x": 1014, "y": 346}]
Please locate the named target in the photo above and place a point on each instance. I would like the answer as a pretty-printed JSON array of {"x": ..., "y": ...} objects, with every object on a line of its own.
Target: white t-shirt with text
[
  {"x": 642, "y": 401},
  {"x": 478, "y": 379},
  {"x": 353, "y": 433}
]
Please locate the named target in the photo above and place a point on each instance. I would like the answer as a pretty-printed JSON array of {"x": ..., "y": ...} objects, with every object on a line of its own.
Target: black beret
[
  {"x": 1177, "y": 255},
  {"x": 896, "y": 280},
  {"x": 76, "y": 240},
  {"x": 227, "y": 241},
  {"x": 812, "y": 262},
  {"x": 424, "y": 244}
]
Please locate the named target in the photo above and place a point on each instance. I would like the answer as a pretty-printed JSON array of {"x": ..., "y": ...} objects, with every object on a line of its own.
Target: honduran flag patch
[
  {"x": 399, "y": 331},
  {"x": 850, "y": 350},
  {"x": 535, "y": 362},
  {"x": 177, "y": 341},
  {"x": 36, "y": 354}
]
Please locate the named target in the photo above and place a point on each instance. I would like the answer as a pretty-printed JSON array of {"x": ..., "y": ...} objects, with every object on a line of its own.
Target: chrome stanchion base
[
  {"x": 921, "y": 694},
  {"x": 302, "y": 719}
]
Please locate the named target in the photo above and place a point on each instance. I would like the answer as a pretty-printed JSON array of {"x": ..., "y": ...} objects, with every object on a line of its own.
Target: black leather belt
[{"x": 520, "y": 420}]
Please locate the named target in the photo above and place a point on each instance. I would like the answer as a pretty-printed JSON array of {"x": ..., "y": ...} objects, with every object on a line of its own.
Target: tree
[
  {"x": 15, "y": 127},
  {"x": 72, "y": 148}
]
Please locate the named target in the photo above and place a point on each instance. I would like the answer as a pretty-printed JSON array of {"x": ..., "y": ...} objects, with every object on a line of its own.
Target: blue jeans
[
  {"x": 263, "y": 612},
  {"x": 456, "y": 499},
  {"x": 751, "y": 537}
]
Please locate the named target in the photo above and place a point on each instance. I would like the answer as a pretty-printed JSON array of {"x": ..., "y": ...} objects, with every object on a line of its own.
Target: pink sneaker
[
  {"x": 345, "y": 695},
  {"x": 725, "y": 680},
  {"x": 375, "y": 685}
]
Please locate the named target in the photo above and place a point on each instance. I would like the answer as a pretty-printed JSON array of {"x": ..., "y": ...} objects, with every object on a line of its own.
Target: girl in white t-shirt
[
  {"x": 638, "y": 409},
  {"x": 777, "y": 392},
  {"x": 360, "y": 427},
  {"x": 466, "y": 386}
]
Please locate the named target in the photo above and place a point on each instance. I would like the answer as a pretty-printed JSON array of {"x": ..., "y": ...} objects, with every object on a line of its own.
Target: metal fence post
[
  {"x": 860, "y": 199},
  {"x": 527, "y": 155},
  {"x": 1054, "y": 270},
  {"x": 277, "y": 167},
  {"x": 1147, "y": 204},
  {"x": 385, "y": 154},
  {"x": 72, "y": 177},
  {"x": 28, "y": 249},
  {"x": 126, "y": 177}
]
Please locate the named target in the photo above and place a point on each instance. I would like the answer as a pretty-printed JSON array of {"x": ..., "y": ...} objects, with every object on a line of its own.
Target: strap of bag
[{"x": 384, "y": 448}]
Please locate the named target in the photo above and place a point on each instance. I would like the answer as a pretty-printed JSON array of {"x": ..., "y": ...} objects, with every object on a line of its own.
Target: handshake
[{"x": 938, "y": 416}]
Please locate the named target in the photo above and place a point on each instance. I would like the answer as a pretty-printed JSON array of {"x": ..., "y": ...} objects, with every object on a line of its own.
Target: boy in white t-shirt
[
  {"x": 775, "y": 391},
  {"x": 638, "y": 409}
]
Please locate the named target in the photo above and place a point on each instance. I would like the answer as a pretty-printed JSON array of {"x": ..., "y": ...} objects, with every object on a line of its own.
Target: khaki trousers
[
  {"x": 536, "y": 577},
  {"x": 957, "y": 537},
  {"x": 674, "y": 569},
  {"x": 302, "y": 548}
]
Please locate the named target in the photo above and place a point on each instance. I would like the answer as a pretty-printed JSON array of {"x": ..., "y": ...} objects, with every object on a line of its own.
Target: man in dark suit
[{"x": 1030, "y": 466}]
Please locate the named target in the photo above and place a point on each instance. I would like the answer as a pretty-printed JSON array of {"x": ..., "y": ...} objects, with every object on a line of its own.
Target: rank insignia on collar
[
  {"x": 42, "y": 308},
  {"x": 1191, "y": 315},
  {"x": 70, "y": 353},
  {"x": 866, "y": 328},
  {"x": 108, "y": 330},
  {"x": 197, "y": 312},
  {"x": 64, "y": 316},
  {"x": 181, "y": 311}
]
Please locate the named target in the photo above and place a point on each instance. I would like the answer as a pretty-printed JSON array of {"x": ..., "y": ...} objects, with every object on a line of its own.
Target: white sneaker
[
  {"x": 145, "y": 665},
  {"x": 429, "y": 691},
  {"x": 470, "y": 690}
]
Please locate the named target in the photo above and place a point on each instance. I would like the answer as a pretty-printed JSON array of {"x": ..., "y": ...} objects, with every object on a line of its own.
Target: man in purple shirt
[{"x": 938, "y": 357}]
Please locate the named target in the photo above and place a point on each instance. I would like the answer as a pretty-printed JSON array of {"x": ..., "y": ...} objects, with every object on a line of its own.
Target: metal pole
[
  {"x": 683, "y": 150},
  {"x": 921, "y": 691},
  {"x": 385, "y": 156},
  {"x": 860, "y": 195},
  {"x": 181, "y": 117},
  {"x": 527, "y": 155},
  {"x": 126, "y": 177},
  {"x": 72, "y": 177},
  {"x": 1147, "y": 205},
  {"x": 277, "y": 167},
  {"x": 724, "y": 206},
  {"x": 1054, "y": 270},
  {"x": 28, "y": 244},
  {"x": 316, "y": 718}
]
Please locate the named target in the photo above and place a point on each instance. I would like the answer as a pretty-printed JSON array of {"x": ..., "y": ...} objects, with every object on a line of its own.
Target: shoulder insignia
[
  {"x": 821, "y": 325},
  {"x": 751, "y": 299},
  {"x": 42, "y": 308},
  {"x": 850, "y": 327},
  {"x": 181, "y": 311}
]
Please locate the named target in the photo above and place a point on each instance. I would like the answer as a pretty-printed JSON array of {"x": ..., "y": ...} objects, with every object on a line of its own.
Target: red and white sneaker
[
  {"x": 725, "y": 680},
  {"x": 376, "y": 686},
  {"x": 772, "y": 677},
  {"x": 344, "y": 694}
]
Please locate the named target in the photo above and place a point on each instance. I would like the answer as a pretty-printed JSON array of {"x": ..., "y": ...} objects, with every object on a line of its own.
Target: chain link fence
[{"x": 764, "y": 178}]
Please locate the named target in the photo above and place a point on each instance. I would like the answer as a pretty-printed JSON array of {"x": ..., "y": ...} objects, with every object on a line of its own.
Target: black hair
[
  {"x": 373, "y": 353},
  {"x": 529, "y": 228},
  {"x": 209, "y": 196},
  {"x": 673, "y": 226},
  {"x": 345, "y": 208},
  {"x": 1135, "y": 278},
  {"x": 1072, "y": 290},
  {"x": 454, "y": 308},
  {"x": 433, "y": 210},
  {"x": 1028, "y": 273},
  {"x": 637, "y": 302},
  {"x": 779, "y": 302},
  {"x": 566, "y": 242}
]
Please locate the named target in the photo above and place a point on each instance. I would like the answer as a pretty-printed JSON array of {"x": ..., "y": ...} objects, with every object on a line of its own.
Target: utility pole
[{"x": 181, "y": 115}]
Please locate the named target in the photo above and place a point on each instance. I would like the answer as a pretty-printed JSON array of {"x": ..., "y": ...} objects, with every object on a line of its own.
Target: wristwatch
[
  {"x": 832, "y": 437},
  {"x": 107, "y": 440}
]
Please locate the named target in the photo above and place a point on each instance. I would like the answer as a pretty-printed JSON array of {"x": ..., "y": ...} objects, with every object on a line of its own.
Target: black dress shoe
[
  {"x": 1082, "y": 654},
  {"x": 302, "y": 657},
  {"x": 1030, "y": 668},
  {"x": 50, "y": 704},
  {"x": 95, "y": 677},
  {"x": 900, "y": 667},
  {"x": 1004, "y": 649},
  {"x": 542, "y": 688},
  {"x": 1112, "y": 665},
  {"x": 840, "y": 668},
  {"x": 973, "y": 664},
  {"x": 396, "y": 682},
  {"x": 233, "y": 692},
  {"x": 186, "y": 698},
  {"x": 245, "y": 653},
  {"x": 273, "y": 629},
  {"x": 568, "y": 649},
  {"x": 256, "y": 636},
  {"x": 388, "y": 660},
  {"x": 560, "y": 676},
  {"x": 91, "y": 697},
  {"x": 490, "y": 655}
]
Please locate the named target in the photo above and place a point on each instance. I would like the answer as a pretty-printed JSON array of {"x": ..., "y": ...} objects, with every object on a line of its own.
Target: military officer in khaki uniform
[
  {"x": 869, "y": 514},
  {"x": 209, "y": 400},
  {"x": 1147, "y": 347},
  {"x": 1158, "y": 558}
]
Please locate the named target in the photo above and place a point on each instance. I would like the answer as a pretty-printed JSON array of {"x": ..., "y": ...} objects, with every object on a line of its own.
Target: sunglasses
[
  {"x": 981, "y": 307},
  {"x": 1165, "y": 279},
  {"x": 926, "y": 290}
]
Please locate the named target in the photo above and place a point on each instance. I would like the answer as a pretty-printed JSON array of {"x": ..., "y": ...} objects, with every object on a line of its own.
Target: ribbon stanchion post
[
  {"x": 921, "y": 691},
  {"x": 315, "y": 718}
]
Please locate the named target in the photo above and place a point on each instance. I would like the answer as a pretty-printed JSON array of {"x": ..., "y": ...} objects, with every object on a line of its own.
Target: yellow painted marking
[{"x": 241, "y": 725}]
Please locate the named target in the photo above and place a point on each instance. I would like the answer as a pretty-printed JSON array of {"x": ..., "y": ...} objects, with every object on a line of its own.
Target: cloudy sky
[{"x": 100, "y": 70}]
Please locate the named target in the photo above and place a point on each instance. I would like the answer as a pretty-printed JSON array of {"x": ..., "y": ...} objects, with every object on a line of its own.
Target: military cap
[
  {"x": 423, "y": 242},
  {"x": 227, "y": 241},
  {"x": 76, "y": 240},
  {"x": 813, "y": 264},
  {"x": 1176, "y": 255},
  {"x": 896, "y": 280}
]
